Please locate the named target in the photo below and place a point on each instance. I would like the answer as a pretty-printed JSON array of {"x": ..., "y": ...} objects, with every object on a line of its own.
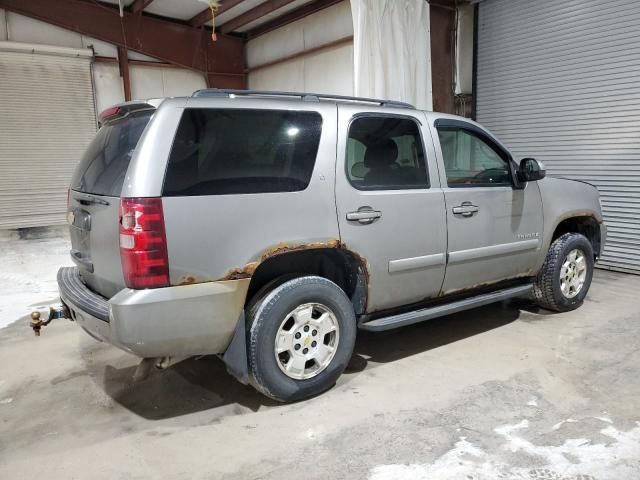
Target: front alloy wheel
[
  {"x": 573, "y": 273},
  {"x": 564, "y": 279}
]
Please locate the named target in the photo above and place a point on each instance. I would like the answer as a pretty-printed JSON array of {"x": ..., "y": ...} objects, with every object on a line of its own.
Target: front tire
[
  {"x": 300, "y": 339},
  {"x": 565, "y": 278}
]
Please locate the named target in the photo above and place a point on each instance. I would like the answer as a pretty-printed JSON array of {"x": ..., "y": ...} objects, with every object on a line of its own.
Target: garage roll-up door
[
  {"x": 47, "y": 118},
  {"x": 560, "y": 81}
]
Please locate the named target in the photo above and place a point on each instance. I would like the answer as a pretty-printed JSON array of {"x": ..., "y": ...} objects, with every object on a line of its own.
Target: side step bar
[{"x": 416, "y": 316}]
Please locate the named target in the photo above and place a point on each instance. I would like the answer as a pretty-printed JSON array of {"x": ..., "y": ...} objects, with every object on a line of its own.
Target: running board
[{"x": 416, "y": 316}]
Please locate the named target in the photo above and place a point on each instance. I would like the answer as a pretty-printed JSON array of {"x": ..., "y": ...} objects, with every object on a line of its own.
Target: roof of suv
[
  {"x": 303, "y": 96},
  {"x": 215, "y": 93},
  {"x": 278, "y": 96}
]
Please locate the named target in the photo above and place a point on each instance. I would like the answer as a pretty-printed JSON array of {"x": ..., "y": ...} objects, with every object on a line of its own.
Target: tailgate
[
  {"x": 94, "y": 197},
  {"x": 94, "y": 231}
]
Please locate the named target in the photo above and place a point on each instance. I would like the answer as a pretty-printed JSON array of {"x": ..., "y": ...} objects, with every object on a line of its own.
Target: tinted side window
[
  {"x": 235, "y": 151},
  {"x": 385, "y": 153},
  {"x": 105, "y": 162},
  {"x": 469, "y": 160}
]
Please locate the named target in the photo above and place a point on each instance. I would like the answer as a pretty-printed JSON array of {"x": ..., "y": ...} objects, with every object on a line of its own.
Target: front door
[
  {"x": 390, "y": 205},
  {"x": 494, "y": 227}
]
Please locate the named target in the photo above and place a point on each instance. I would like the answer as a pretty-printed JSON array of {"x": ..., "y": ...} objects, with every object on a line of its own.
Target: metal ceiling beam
[
  {"x": 253, "y": 14},
  {"x": 450, "y": 4},
  {"x": 292, "y": 16},
  {"x": 123, "y": 65},
  {"x": 320, "y": 48},
  {"x": 205, "y": 15},
  {"x": 139, "y": 5},
  {"x": 172, "y": 42}
]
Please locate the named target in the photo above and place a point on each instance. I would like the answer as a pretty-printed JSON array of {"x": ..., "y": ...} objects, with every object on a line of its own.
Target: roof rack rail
[{"x": 306, "y": 97}]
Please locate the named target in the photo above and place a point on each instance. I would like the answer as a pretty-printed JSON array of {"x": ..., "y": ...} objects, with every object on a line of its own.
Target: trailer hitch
[{"x": 55, "y": 311}]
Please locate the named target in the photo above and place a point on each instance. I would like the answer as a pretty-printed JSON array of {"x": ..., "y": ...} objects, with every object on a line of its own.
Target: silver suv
[{"x": 269, "y": 227}]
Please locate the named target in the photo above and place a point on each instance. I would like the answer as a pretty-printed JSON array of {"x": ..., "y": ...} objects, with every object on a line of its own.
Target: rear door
[
  {"x": 94, "y": 198},
  {"x": 390, "y": 204}
]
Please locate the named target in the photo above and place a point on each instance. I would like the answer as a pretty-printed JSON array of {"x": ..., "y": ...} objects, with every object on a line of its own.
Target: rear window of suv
[
  {"x": 239, "y": 151},
  {"x": 103, "y": 166}
]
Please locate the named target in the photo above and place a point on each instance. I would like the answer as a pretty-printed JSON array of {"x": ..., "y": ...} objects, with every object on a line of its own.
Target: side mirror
[{"x": 531, "y": 170}]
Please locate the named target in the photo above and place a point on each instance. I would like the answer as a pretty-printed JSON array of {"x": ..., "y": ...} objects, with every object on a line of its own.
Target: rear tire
[
  {"x": 565, "y": 278},
  {"x": 300, "y": 338}
]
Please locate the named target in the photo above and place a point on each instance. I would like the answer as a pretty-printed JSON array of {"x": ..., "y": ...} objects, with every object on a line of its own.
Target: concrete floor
[{"x": 501, "y": 392}]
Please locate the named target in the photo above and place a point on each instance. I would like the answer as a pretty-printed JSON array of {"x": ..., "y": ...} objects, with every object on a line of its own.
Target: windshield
[{"x": 102, "y": 169}]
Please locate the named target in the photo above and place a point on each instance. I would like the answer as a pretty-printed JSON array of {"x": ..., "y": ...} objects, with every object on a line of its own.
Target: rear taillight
[{"x": 143, "y": 243}]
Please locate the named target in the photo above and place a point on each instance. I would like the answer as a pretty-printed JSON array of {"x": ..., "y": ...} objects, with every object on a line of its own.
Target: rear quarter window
[{"x": 240, "y": 151}]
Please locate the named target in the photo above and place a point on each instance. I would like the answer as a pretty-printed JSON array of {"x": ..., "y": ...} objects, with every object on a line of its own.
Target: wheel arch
[
  {"x": 330, "y": 260},
  {"x": 585, "y": 224},
  {"x": 340, "y": 265}
]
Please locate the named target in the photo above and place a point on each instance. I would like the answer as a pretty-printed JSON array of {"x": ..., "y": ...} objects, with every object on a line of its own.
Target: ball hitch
[{"x": 55, "y": 311}]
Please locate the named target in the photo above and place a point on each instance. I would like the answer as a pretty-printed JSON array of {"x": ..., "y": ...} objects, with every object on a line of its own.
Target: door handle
[
  {"x": 466, "y": 209},
  {"x": 364, "y": 215}
]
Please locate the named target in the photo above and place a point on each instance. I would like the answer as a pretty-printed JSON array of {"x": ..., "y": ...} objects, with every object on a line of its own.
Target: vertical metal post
[
  {"x": 123, "y": 63},
  {"x": 474, "y": 72}
]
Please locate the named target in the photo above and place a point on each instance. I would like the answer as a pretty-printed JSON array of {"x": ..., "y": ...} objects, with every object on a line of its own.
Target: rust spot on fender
[
  {"x": 248, "y": 270},
  {"x": 240, "y": 273},
  {"x": 361, "y": 293},
  {"x": 187, "y": 280},
  {"x": 190, "y": 279},
  {"x": 285, "y": 247}
]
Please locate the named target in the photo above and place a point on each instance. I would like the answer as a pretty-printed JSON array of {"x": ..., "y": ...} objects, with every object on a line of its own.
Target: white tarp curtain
[{"x": 392, "y": 50}]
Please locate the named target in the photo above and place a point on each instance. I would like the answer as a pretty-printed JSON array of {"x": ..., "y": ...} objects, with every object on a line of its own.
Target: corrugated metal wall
[
  {"x": 560, "y": 81},
  {"x": 47, "y": 119}
]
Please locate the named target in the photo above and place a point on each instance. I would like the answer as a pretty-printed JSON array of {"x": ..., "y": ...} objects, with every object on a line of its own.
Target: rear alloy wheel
[
  {"x": 306, "y": 341},
  {"x": 300, "y": 339},
  {"x": 565, "y": 278}
]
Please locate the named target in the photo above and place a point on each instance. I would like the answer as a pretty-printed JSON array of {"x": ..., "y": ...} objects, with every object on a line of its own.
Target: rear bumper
[{"x": 187, "y": 320}]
